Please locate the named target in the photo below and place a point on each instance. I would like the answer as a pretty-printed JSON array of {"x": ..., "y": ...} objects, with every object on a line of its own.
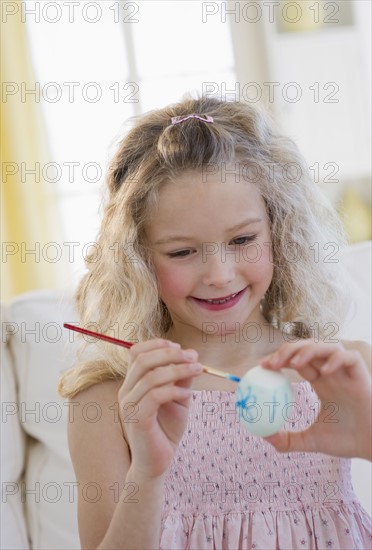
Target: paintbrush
[{"x": 124, "y": 344}]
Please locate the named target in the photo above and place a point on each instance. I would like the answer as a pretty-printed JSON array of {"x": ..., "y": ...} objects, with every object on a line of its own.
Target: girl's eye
[
  {"x": 243, "y": 240},
  {"x": 179, "y": 253}
]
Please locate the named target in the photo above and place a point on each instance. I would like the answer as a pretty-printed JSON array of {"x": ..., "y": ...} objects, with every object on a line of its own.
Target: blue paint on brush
[{"x": 233, "y": 378}]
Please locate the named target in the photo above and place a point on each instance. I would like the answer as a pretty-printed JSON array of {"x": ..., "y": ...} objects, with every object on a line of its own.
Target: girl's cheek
[
  {"x": 267, "y": 259},
  {"x": 259, "y": 261},
  {"x": 171, "y": 281}
]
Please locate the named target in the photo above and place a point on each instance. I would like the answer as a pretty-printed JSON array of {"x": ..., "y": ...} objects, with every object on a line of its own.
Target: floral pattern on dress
[{"x": 228, "y": 489}]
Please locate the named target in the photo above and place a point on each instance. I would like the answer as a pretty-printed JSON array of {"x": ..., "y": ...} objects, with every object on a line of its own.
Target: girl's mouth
[{"x": 220, "y": 303}]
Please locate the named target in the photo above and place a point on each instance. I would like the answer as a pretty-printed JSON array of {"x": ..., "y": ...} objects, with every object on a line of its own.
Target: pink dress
[{"x": 227, "y": 489}]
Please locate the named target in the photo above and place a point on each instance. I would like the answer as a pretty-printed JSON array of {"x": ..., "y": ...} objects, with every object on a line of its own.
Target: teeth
[{"x": 222, "y": 301}]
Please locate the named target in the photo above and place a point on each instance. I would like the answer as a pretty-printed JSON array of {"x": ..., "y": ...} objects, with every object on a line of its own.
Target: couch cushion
[
  {"x": 356, "y": 259},
  {"x": 13, "y": 526},
  {"x": 41, "y": 350}
]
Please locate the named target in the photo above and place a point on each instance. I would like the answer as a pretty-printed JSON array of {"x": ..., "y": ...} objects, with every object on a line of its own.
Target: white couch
[{"x": 39, "y": 499}]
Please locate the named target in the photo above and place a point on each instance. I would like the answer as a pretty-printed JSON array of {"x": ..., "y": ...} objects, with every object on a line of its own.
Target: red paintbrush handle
[
  {"x": 122, "y": 343},
  {"x": 125, "y": 344}
]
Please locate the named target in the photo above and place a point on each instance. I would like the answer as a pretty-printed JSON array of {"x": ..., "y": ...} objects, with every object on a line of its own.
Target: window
[{"x": 99, "y": 63}]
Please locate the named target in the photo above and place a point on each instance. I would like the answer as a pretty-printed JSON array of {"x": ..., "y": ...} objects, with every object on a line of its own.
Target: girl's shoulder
[
  {"x": 96, "y": 405},
  {"x": 100, "y": 393}
]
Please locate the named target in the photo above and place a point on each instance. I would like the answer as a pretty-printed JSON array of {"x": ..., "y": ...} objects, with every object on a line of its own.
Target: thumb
[{"x": 286, "y": 442}]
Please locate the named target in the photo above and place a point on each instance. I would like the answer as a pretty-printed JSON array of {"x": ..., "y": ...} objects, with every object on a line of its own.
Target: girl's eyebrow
[
  {"x": 243, "y": 224},
  {"x": 184, "y": 238}
]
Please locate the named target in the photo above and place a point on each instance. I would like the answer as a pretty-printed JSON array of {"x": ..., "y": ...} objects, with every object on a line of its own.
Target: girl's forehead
[
  {"x": 191, "y": 203},
  {"x": 212, "y": 173},
  {"x": 196, "y": 188}
]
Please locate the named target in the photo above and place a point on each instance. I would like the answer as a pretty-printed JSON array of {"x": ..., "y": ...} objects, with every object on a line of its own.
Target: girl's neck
[
  {"x": 230, "y": 351},
  {"x": 235, "y": 357}
]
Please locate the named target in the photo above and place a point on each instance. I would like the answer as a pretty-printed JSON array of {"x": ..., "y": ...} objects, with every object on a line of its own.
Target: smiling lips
[{"x": 219, "y": 301}]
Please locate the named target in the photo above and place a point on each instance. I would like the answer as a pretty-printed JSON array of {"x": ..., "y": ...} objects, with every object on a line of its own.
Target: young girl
[{"x": 212, "y": 249}]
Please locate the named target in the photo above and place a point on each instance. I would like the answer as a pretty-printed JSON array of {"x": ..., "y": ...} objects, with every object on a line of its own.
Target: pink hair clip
[{"x": 178, "y": 119}]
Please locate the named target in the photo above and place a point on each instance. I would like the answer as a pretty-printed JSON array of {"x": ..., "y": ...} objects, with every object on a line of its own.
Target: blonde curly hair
[{"x": 120, "y": 287}]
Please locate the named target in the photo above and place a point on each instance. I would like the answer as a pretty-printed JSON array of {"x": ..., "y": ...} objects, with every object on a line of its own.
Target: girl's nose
[{"x": 218, "y": 271}]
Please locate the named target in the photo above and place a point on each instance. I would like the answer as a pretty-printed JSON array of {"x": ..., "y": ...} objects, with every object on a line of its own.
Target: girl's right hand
[{"x": 153, "y": 402}]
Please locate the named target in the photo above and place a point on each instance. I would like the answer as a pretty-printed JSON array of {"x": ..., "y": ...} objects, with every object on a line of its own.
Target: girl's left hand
[{"x": 339, "y": 376}]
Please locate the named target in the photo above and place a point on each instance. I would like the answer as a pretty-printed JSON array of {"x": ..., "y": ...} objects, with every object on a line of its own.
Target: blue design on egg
[
  {"x": 261, "y": 399},
  {"x": 244, "y": 403},
  {"x": 273, "y": 409}
]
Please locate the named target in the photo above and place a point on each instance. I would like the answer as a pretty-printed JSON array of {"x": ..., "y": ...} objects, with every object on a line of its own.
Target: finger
[
  {"x": 163, "y": 356},
  {"x": 159, "y": 396},
  {"x": 283, "y": 353},
  {"x": 308, "y": 372},
  {"x": 312, "y": 368},
  {"x": 351, "y": 359},
  {"x": 305, "y": 351},
  {"x": 173, "y": 374},
  {"x": 149, "y": 345},
  {"x": 306, "y": 359},
  {"x": 285, "y": 442},
  {"x": 317, "y": 355}
]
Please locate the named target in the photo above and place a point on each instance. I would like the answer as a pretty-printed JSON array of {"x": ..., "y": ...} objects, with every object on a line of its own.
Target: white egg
[{"x": 262, "y": 399}]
